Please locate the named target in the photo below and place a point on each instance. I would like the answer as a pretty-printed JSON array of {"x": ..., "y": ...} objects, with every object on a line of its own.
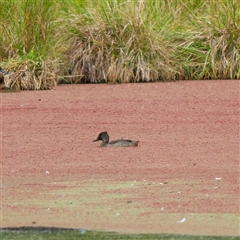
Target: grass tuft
[
  {"x": 30, "y": 47},
  {"x": 43, "y": 43}
]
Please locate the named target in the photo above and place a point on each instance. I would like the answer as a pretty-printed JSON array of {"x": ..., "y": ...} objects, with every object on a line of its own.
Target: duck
[
  {"x": 104, "y": 137},
  {"x": 2, "y": 73}
]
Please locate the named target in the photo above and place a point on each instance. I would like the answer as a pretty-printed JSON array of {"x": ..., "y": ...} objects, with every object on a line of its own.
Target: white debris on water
[
  {"x": 182, "y": 220},
  {"x": 82, "y": 230}
]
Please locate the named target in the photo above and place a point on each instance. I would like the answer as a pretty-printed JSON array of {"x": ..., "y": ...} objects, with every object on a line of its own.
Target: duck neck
[
  {"x": 104, "y": 143},
  {"x": 105, "y": 140}
]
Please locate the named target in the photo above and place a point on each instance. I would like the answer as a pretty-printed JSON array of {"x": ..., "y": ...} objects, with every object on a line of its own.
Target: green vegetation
[
  {"x": 58, "y": 234},
  {"x": 43, "y": 43}
]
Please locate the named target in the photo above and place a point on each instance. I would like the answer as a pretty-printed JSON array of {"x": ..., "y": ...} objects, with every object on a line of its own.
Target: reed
[
  {"x": 134, "y": 41},
  {"x": 31, "y": 45},
  {"x": 43, "y": 43}
]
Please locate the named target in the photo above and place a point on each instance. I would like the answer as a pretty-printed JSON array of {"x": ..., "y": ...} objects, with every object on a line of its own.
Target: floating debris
[{"x": 182, "y": 220}]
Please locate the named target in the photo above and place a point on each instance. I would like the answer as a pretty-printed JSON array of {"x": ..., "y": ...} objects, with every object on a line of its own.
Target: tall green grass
[
  {"x": 31, "y": 43},
  {"x": 46, "y": 42}
]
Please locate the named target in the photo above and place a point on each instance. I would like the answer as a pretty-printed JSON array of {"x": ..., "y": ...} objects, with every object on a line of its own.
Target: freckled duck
[{"x": 104, "y": 137}]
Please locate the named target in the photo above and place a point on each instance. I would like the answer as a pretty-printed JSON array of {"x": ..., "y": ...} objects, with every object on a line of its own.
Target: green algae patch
[
  {"x": 72, "y": 234},
  {"x": 135, "y": 206}
]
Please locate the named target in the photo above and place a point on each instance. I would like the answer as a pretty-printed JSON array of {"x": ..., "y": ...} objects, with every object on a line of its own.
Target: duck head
[{"x": 103, "y": 136}]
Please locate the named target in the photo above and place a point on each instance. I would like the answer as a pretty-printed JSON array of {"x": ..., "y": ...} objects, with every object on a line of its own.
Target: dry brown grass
[
  {"x": 100, "y": 56},
  {"x": 30, "y": 76}
]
